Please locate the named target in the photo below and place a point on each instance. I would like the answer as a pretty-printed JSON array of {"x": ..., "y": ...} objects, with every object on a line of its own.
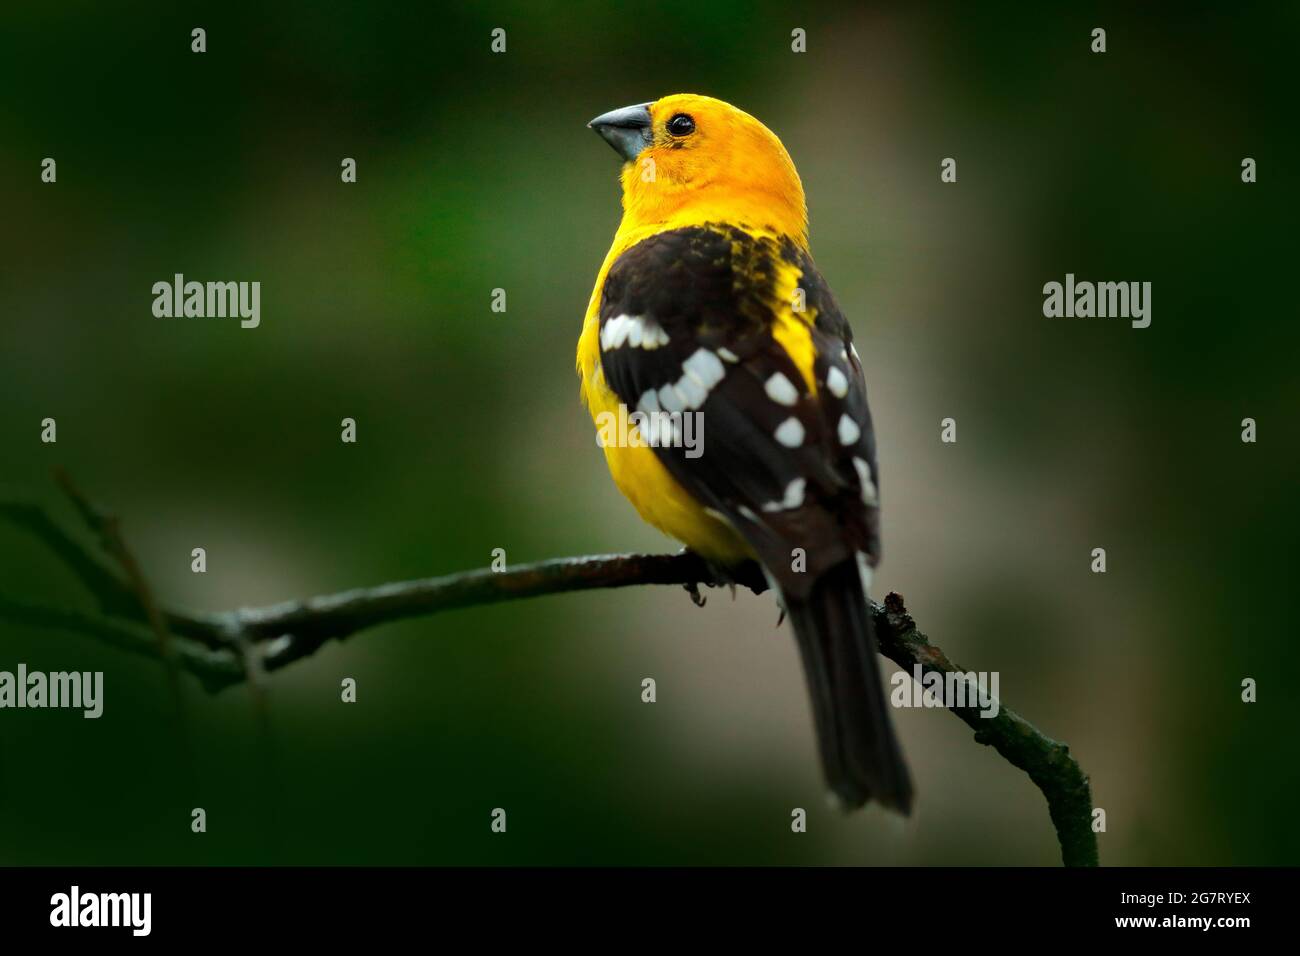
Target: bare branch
[
  {"x": 1048, "y": 762},
  {"x": 217, "y": 647},
  {"x": 214, "y": 669}
]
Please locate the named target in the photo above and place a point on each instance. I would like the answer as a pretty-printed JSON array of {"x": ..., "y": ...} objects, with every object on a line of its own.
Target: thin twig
[
  {"x": 214, "y": 669},
  {"x": 109, "y": 531}
]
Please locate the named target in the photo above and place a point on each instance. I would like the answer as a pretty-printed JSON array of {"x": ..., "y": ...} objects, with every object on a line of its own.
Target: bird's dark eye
[{"x": 681, "y": 125}]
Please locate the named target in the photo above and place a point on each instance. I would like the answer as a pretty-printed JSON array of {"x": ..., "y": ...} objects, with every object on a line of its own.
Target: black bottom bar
[{"x": 537, "y": 905}]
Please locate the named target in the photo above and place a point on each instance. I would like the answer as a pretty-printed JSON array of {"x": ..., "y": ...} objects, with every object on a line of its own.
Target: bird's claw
[{"x": 719, "y": 577}]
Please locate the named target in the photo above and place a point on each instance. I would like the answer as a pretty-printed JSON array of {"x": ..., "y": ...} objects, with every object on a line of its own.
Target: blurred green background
[{"x": 475, "y": 172}]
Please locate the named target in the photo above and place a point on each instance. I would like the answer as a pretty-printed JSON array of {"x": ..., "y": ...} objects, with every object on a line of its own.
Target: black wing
[{"x": 686, "y": 322}]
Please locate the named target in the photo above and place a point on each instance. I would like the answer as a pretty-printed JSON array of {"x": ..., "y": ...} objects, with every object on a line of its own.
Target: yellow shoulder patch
[{"x": 792, "y": 329}]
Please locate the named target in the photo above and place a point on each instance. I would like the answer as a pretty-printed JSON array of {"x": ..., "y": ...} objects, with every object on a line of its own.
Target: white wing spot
[
  {"x": 700, "y": 373},
  {"x": 693, "y": 393},
  {"x": 864, "y": 479},
  {"x": 837, "y": 382},
  {"x": 848, "y": 430},
  {"x": 793, "y": 497},
  {"x": 614, "y": 332},
  {"x": 781, "y": 390},
  {"x": 705, "y": 368},
  {"x": 789, "y": 433},
  {"x": 670, "y": 400},
  {"x": 636, "y": 331},
  {"x": 728, "y": 356}
]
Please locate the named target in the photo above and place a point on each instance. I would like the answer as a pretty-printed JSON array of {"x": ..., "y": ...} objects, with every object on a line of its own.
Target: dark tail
[{"x": 860, "y": 754}]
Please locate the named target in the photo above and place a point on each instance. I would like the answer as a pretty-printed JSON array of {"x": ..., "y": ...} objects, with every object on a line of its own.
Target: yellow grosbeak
[{"x": 709, "y": 305}]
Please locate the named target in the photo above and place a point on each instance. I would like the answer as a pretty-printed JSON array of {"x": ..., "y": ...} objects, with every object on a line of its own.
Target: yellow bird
[{"x": 710, "y": 322}]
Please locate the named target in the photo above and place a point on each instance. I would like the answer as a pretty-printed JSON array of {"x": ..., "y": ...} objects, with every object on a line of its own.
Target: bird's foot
[{"x": 718, "y": 576}]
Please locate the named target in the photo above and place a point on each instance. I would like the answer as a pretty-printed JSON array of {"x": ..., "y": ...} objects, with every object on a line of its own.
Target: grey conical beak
[{"x": 627, "y": 129}]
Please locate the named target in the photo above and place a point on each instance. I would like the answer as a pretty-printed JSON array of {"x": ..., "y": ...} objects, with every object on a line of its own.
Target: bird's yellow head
[{"x": 692, "y": 159}]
